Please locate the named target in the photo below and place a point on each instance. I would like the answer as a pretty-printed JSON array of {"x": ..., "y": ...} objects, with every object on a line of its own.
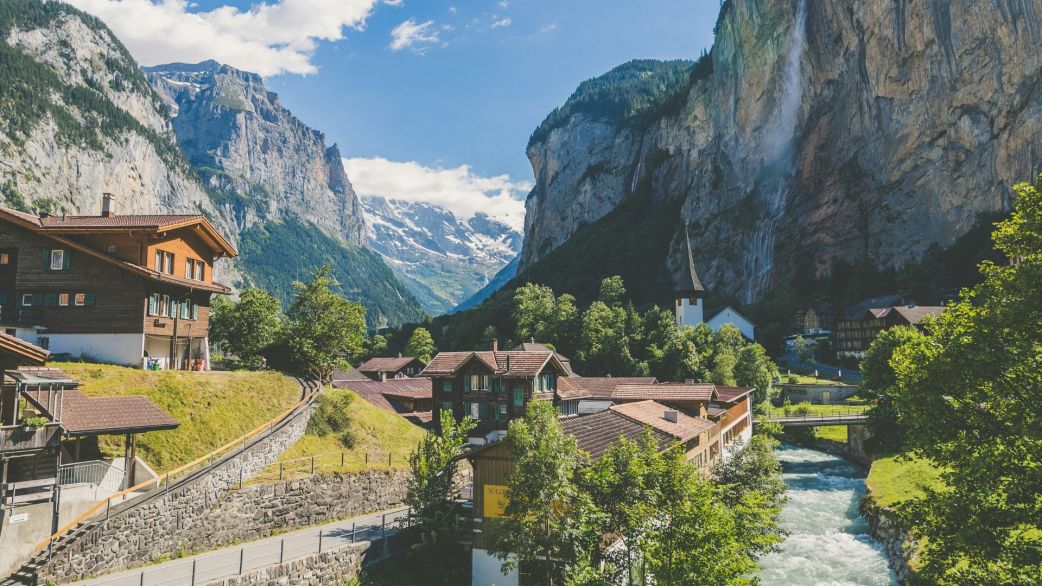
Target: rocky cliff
[
  {"x": 813, "y": 132},
  {"x": 260, "y": 162}
]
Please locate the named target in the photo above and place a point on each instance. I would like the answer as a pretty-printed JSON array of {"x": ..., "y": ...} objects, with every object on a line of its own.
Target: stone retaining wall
[
  {"x": 887, "y": 529},
  {"x": 260, "y": 511},
  {"x": 168, "y": 523},
  {"x": 330, "y": 567}
]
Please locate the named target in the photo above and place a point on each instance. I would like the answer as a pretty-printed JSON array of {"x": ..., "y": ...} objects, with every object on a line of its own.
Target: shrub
[{"x": 331, "y": 417}]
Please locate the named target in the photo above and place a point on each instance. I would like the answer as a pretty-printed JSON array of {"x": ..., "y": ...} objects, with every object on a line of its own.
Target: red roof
[
  {"x": 582, "y": 387},
  {"x": 596, "y": 433},
  {"x": 732, "y": 394},
  {"x": 654, "y": 414},
  {"x": 83, "y": 415},
  {"x": 666, "y": 392},
  {"x": 509, "y": 363},
  {"x": 387, "y": 364},
  {"x": 410, "y": 388}
]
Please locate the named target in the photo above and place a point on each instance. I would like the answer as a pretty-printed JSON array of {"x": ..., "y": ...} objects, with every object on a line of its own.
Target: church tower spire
[{"x": 689, "y": 292}]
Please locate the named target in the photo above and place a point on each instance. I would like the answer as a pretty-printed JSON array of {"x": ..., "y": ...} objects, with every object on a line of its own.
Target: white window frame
[
  {"x": 189, "y": 268},
  {"x": 475, "y": 411},
  {"x": 63, "y": 300},
  {"x": 79, "y": 299},
  {"x": 5, "y": 258},
  {"x": 59, "y": 255},
  {"x": 27, "y": 299},
  {"x": 159, "y": 261},
  {"x": 164, "y": 306}
]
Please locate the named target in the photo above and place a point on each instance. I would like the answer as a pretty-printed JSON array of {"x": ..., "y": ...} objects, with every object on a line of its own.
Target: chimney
[
  {"x": 494, "y": 344},
  {"x": 108, "y": 207},
  {"x": 383, "y": 376},
  {"x": 672, "y": 415}
]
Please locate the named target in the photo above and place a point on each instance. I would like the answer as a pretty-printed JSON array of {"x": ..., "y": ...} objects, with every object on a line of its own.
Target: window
[
  {"x": 63, "y": 299},
  {"x": 43, "y": 342},
  {"x": 446, "y": 407},
  {"x": 164, "y": 306},
  {"x": 80, "y": 299},
  {"x": 446, "y": 386},
  {"x": 200, "y": 270},
  {"x": 186, "y": 309},
  {"x": 165, "y": 262},
  {"x": 503, "y": 408},
  {"x": 475, "y": 411},
  {"x": 27, "y": 299},
  {"x": 189, "y": 268},
  {"x": 159, "y": 260},
  {"x": 111, "y": 248},
  {"x": 5, "y": 258},
  {"x": 57, "y": 260},
  {"x": 153, "y": 304}
]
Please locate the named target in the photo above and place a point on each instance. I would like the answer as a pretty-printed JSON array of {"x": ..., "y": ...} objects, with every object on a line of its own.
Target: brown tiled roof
[
  {"x": 83, "y": 415},
  {"x": 348, "y": 375},
  {"x": 596, "y": 433},
  {"x": 732, "y": 394},
  {"x": 139, "y": 221},
  {"x": 509, "y": 363},
  {"x": 916, "y": 313},
  {"x": 578, "y": 387},
  {"x": 411, "y": 388},
  {"x": 666, "y": 392},
  {"x": 32, "y": 223},
  {"x": 22, "y": 352},
  {"x": 421, "y": 418},
  {"x": 380, "y": 364},
  {"x": 654, "y": 414}
]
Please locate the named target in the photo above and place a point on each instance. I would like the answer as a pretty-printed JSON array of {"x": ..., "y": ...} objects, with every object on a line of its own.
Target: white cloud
[
  {"x": 414, "y": 35},
  {"x": 504, "y": 5},
  {"x": 394, "y": 2},
  {"x": 267, "y": 38},
  {"x": 458, "y": 189},
  {"x": 548, "y": 28},
  {"x": 502, "y": 22}
]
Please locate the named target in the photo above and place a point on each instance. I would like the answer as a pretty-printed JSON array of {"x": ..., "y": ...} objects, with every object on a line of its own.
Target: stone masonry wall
[
  {"x": 886, "y": 527},
  {"x": 331, "y": 567},
  {"x": 166, "y": 524},
  {"x": 259, "y": 511}
]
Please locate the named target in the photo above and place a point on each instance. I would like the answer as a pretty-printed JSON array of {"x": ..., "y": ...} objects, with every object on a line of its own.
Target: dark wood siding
[
  {"x": 492, "y": 465},
  {"x": 118, "y": 295}
]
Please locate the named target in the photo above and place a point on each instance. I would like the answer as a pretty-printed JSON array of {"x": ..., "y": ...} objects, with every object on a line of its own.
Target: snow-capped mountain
[{"x": 442, "y": 258}]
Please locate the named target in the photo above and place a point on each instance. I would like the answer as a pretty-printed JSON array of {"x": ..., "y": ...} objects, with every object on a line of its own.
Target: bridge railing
[{"x": 859, "y": 412}]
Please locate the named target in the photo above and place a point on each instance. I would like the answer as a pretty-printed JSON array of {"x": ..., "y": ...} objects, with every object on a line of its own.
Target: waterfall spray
[{"x": 778, "y": 154}]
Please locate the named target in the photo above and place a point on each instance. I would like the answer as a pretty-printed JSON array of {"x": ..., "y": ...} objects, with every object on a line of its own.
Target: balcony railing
[{"x": 16, "y": 438}]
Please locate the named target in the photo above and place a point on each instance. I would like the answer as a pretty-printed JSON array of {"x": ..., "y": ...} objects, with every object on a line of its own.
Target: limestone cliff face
[
  {"x": 815, "y": 131},
  {"x": 260, "y": 161}
]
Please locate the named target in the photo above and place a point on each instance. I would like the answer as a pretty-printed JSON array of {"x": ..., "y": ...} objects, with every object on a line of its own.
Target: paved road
[{"x": 233, "y": 561}]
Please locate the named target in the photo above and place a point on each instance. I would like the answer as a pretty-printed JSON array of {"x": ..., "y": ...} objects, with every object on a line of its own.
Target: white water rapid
[{"x": 828, "y": 542}]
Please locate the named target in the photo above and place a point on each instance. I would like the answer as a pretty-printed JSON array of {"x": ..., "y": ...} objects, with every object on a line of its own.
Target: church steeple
[{"x": 689, "y": 291}]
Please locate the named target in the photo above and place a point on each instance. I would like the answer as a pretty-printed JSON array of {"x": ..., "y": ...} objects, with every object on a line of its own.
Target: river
[{"x": 828, "y": 542}]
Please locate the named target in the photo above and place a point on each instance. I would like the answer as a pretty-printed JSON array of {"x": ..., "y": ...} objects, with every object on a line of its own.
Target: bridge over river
[{"x": 816, "y": 418}]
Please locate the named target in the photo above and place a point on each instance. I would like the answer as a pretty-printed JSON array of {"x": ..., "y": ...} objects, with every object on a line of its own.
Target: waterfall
[{"x": 759, "y": 260}]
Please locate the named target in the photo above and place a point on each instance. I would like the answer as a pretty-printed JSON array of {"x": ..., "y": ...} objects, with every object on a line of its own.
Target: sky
[{"x": 428, "y": 100}]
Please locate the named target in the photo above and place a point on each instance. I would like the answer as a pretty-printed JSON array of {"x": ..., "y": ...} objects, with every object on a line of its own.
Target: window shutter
[
  {"x": 466, "y": 382},
  {"x": 37, "y": 299},
  {"x": 153, "y": 303},
  {"x": 88, "y": 299},
  {"x": 50, "y": 300},
  {"x": 65, "y": 259},
  {"x": 195, "y": 311},
  {"x": 46, "y": 259},
  {"x": 3, "y": 298}
]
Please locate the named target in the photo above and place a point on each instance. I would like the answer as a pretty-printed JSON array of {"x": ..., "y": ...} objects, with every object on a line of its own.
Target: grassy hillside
[
  {"x": 897, "y": 478},
  {"x": 377, "y": 432},
  {"x": 214, "y": 408},
  {"x": 278, "y": 253}
]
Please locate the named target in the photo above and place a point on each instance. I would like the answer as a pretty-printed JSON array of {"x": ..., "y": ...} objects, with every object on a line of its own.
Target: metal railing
[
  {"x": 232, "y": 562},
  {"x": 824, "y": 415},
  {"x": 328, "y": 462},
  {"x": 97, "y": 472},
  {"x": 186, "y": 472}
]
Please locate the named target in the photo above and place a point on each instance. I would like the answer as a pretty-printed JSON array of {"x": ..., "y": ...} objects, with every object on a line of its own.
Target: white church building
[{"x": 690, "y": 298}]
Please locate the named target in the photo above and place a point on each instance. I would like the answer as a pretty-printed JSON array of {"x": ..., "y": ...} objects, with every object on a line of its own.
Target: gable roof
[
  {"x": 688, "y": 281},
  {"x": 732, "y": 394},
  {"x": 409, "y": 388},
  {"x": 666, "y": 392},
  {"x": 348, "y": 375},
  {"x": 654, "y": 415},
  {"x": 22, "y": 352},
  {"x": 736, "y": 312},
  {"x": 381, "y": 364},
  {"x": 509, "y": 363},
  {"x": 83, "y": 415},
  {"x": 596, "y": 433},
  {"x": 119, "y": 223},
  {"x": 576, "y": 387},
  {"x": 20, "y": 219}
]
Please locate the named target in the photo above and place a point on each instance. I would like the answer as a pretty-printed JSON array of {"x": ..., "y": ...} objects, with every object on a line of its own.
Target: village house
[
  {"x": 122, "y": 289},
  {"x": 380, "y": 369},
  {"x": 408, "y": 397},
  {"x": 854, "y": 333}
]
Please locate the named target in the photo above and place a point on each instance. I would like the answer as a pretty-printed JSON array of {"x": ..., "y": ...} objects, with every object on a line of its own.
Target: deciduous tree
[
  {"x": 324, "y": 328},
  {"x": 247, "y": 326},
  {"x": 421, "y": 345},
  {"x": 755, "y": 369}
]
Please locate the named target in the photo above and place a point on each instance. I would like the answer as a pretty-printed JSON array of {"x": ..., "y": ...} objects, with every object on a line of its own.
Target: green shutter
[
  {"x": 195, "y": 312},
  {"x": 66, "y": 255},
  {"x": 88, "y": 299},
  {"x": 3, "y": 298},
  {"x": 46, "y": 260},
  {"x": 50, "y": 300},
  {"x": 466, "y": 382},
  {"x": 37, "y": 299},
  {"x": 519, "y": 397},
  {"x": 153, "y": 304},
  {"x": 446, "y": 386}
]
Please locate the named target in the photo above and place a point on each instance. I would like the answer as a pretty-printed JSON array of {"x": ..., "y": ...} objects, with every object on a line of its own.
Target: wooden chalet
[
  {"x": 123, "y": 289},
  {"x": 855, "y": 332},
  {"x": 381, "y": 369}
]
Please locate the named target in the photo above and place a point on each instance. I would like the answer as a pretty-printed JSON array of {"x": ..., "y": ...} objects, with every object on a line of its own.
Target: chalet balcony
[
  {"x": 19, "y": 439},
  {"x": 12, "y": 315}
]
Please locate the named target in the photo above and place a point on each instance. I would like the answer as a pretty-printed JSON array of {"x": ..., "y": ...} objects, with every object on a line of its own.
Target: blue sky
[{"x": 463, "y": 87}]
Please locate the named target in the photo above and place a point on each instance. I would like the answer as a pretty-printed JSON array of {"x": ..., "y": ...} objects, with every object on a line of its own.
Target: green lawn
[
  {"x": 803, "y": 379},
  {"x": 836, "y": 433},
  {"x": 214, "y": 408},
  {"x": 377, "y": 432},
  {"x": 894, "y": 479}
]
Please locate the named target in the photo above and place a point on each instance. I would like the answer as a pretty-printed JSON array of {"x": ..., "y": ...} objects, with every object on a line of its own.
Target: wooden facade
[
  {"x": 495, "y": 400},
  {"x": 94, "y": 285}
]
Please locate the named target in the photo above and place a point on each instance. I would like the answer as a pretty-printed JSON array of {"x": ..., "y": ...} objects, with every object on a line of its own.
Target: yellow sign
[{"x": 495, "y": 501}]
